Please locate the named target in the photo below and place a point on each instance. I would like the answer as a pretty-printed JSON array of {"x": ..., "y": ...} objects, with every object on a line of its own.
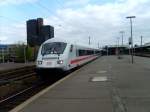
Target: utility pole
[
  {"x": 3, "y": 55},
  {"x": 141, "y": 40},
  {"x": 118, "y": 50},
  {"x": 107, "y": 50},
  {"x": 122, "y": 32},
  {"x": 89, "y": 40},
  {"x": 131, "y": 17},
  {"x": 98, "y": 45},
  {"x": 141, "y": 44}
]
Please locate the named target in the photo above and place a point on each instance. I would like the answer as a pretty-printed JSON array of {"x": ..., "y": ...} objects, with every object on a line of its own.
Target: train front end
[{"x": 51, "y": 57}]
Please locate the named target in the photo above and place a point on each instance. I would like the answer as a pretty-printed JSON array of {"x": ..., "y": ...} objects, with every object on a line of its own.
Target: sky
[{"x": 76, "y": 20}]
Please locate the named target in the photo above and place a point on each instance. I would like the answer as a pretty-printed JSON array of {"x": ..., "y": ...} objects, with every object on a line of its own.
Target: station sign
[{"x": 130, "y": 41}]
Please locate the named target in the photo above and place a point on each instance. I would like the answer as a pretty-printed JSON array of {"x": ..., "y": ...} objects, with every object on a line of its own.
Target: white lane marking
[
  {"x": 102, "y": 71},
  {"x": 99, "y": 78}
]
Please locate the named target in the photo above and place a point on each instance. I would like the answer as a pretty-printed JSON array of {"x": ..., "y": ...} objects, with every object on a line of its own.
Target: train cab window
[
  {"x": 71, "y": 48},
  {"x": 53, "y": 48}
]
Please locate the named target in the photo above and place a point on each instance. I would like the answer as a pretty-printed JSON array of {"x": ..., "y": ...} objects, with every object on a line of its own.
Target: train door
[{"x": 72, "y": 55}]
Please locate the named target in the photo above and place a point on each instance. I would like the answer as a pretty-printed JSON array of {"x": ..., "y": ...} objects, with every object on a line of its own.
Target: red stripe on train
[{"x": 80, "y": 59}]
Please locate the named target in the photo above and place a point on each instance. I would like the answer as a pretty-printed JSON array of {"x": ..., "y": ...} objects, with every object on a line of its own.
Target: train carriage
[{"x": 58, "y": 54}]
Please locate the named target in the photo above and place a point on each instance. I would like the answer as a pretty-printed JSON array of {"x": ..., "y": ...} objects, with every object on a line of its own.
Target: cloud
[
  {"x": 14, "y": 33},
  {"x": 15, "y": 2},
  {"x": 3, "y": 38},
  {"x": 76, "y": 2},
  {"x": 101, "y": 22}
]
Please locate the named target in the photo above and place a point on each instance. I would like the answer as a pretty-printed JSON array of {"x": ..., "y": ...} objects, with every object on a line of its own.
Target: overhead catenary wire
[
  {"x": 38, "y": 6},
  {"x": 18, "y": 21},
  {"x": 60, "y": 4},
  {"x": 8, "y": 18},
  {"x": 13, "y": 24},
  {"x": 35, "y": 4},
  {"x": 44, "y": 7}
]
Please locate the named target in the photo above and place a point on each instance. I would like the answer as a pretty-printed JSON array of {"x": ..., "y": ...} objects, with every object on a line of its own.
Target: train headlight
[
  {"x": 39, "y": 62},
  {"x": 60, "y": 62}
]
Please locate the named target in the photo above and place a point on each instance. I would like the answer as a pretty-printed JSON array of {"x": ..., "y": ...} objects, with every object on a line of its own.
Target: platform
[
  {"x": 12, "y": 65},
  {"x": 107, "y": 84}
]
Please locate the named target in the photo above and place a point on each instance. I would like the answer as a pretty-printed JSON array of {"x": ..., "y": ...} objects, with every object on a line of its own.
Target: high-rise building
[
  {"x": 37, "y": 33},
  {"x": 32, "y": 32},
  {"x": 51, "y": 32},
  {"x": 39, "y": 26},
  {"x": 47, "y": 32}
]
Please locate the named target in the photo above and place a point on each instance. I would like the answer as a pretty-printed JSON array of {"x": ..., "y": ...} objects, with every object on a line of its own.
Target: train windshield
[{"x": 53, "y": 48}]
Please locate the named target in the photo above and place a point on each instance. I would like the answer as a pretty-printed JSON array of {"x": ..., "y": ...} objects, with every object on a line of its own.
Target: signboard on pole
[{"x": 130, "y": 41}]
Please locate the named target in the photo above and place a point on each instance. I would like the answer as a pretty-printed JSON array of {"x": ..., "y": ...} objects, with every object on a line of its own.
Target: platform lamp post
[
  {"x": 131, "y": 17},
  {"x": 141, "y": 43},
  {"x": 89, "y": 40},
  {"x": 118, "y": 48},
  {"x": 122, "y": 33}
]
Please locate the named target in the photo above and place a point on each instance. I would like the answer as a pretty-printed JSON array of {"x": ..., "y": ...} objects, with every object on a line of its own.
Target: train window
[
  {"x": 90, "y": 52},
  {"x": 82, "y": 52},
  {"x": 53, "y": 48},
  {"x": 85, "y": 52},
  {"x": 97, "y": 52},
  {"x": 71, "y": 48}
]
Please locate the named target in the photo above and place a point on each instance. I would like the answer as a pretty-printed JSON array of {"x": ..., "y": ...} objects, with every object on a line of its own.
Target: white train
[{"x": 62, "y": 55}]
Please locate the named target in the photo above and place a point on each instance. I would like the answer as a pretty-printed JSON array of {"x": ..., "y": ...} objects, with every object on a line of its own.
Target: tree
[
  {"x": 29, "y": 53},
  {"x": 23, "y": 53}
]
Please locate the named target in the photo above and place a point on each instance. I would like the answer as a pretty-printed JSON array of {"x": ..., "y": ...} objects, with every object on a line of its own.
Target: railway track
[
  {"x": 15, "y": 72},
  {"x": 5, "y": 81},
  {"x": 7, "y": 77},
  {"x": 15, "y": 82},
  {"x": 11, "y": 101},
  {"x": 15, "y": 99}
]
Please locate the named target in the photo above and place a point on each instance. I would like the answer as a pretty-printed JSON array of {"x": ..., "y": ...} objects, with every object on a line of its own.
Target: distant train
[{"x": 62, "y": 55}]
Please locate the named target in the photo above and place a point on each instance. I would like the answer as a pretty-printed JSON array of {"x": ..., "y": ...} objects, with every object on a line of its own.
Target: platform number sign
[{"x": 130, "y": 41}]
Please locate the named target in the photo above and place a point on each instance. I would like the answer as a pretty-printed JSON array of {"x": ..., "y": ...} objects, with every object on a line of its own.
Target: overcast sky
[{"x": 76, "y": 20}]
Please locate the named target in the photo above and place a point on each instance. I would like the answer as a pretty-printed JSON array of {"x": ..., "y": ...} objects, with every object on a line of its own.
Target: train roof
[
  {"x": 56, "y": 40},
  {"x": 70, "y": 42}
]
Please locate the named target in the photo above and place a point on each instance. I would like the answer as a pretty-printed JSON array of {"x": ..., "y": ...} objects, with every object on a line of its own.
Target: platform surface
[
  {"x": 107, "y": 84},
  {"x": 12, "y": 65}
]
